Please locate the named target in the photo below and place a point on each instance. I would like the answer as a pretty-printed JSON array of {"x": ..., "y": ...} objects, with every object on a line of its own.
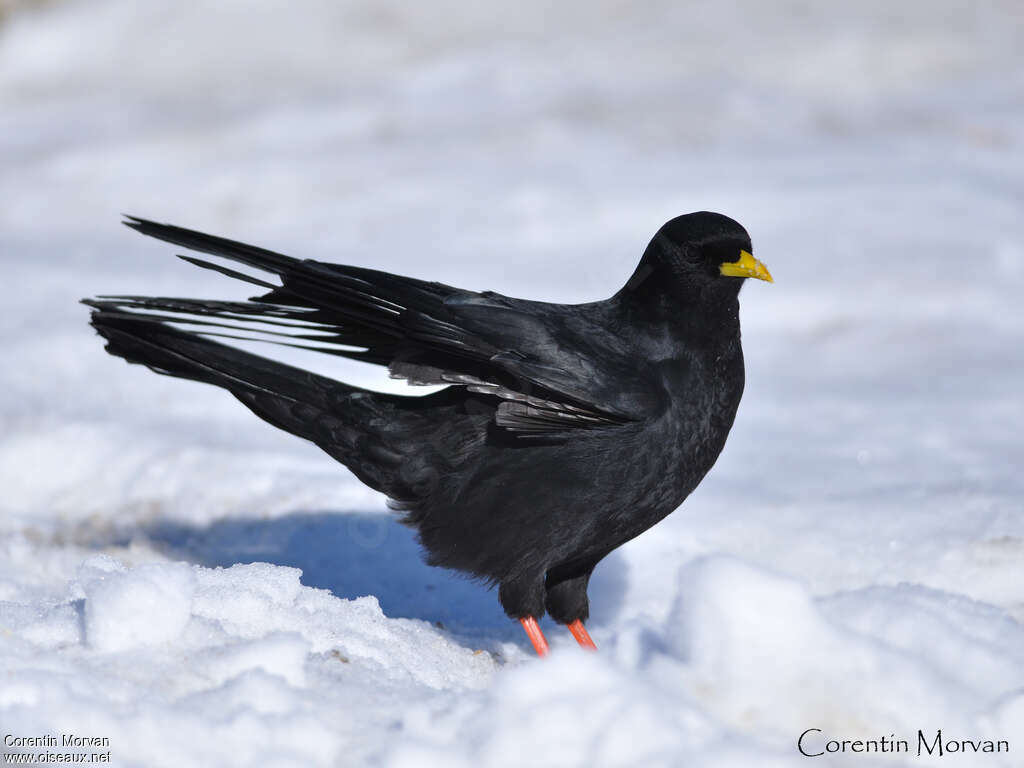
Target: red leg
[
  {"x": 581, "y": 635},
  {"x": 540, "y": 645}
]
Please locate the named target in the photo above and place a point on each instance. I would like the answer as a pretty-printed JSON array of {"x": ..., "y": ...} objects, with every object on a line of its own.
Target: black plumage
[{"x": 565, "y": 431}]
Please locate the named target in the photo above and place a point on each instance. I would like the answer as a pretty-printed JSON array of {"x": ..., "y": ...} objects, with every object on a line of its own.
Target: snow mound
[
  {"x": 762, "y": 650},
  {"x": 746, "y": 661},
  {"x": 166, "y": 644},
  {"x": 148, "y": 605}
]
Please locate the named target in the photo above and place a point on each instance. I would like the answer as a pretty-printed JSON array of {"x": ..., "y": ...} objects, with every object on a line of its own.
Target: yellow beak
[{"x": 746, "y": 266}]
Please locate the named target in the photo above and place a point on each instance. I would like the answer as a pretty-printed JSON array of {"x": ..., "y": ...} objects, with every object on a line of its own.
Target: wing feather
[{"x": 532, "y": 356}]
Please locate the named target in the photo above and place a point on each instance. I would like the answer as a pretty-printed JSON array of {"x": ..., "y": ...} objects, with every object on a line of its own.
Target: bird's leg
[
  {"x": 566, "y": 600},
  {"x": 540, "y": 644},
  {"x": 581, "y": 635}
]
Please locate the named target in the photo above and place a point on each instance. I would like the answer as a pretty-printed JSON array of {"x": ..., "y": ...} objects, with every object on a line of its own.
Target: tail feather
[
  {"x": 167, "y": 350},
  {"x": 303, "y": 327},
  {"x": 348, "y": 423}
]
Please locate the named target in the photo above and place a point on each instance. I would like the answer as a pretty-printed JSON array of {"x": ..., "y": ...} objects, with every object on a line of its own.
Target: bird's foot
[
  {"x": 581, "y": 635},
  {"x": 540, "y": 644}
]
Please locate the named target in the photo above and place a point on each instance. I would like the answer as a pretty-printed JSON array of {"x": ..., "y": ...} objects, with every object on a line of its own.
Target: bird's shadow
[{"x": 353, "y": 554}]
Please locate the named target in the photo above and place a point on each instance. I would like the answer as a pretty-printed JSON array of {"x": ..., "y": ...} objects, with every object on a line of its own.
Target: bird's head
[
  {"x": 707, "y": 247},
  {"x": 703, "y": 251}
]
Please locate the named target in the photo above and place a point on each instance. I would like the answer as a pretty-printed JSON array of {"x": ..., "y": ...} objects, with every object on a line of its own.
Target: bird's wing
[
  {"x": 554, "y": 366},
  {"x": 555, "y": 369}
]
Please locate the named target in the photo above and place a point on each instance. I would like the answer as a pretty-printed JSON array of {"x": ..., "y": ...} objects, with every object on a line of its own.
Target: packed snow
[{"x": 196, "y": 588}]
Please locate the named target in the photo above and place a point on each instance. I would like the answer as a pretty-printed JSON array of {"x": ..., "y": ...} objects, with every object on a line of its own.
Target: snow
[
  {"x": 149, "y": 606},
  {"x": 201, "y": 589}
]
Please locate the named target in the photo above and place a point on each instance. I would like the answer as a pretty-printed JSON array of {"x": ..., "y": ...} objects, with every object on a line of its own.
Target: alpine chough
[{"x": 564, "y": 430}]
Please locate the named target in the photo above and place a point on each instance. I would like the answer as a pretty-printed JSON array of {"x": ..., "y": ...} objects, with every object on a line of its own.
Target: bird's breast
[{"x": 702, "y": 395}]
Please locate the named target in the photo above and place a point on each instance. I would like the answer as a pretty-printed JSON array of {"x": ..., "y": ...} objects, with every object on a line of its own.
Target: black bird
[{"x": 565, "y": 431}]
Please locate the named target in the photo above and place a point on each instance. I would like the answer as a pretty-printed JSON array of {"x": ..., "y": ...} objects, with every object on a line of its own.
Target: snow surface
[{"x": 201, "y": 589}]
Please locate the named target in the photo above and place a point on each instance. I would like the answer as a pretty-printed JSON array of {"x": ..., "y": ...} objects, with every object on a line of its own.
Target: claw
[{"x": 540, "y": 645}]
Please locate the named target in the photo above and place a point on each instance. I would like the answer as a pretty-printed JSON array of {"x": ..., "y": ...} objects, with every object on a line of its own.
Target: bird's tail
[
  {"x": 343, "y": 420},
  {"x": 148, "y": 341}
]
